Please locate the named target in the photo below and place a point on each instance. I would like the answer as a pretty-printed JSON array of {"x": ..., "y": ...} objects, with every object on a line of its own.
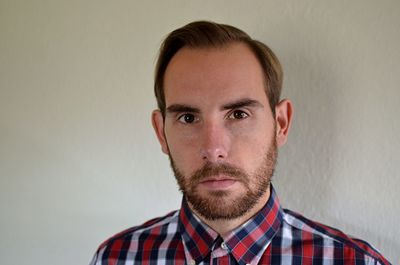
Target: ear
[
  {"x": 158, "y": 124},
  {"x": 283, "y": 118}
]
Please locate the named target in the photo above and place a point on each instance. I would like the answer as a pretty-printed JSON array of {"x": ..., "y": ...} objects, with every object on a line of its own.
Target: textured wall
[{"x": 78, "y": 158}]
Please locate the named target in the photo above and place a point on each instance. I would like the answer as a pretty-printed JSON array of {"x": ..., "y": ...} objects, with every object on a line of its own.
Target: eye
[
  {"x": 238, "y": 115},
  {"x": 187, "y": 118}
]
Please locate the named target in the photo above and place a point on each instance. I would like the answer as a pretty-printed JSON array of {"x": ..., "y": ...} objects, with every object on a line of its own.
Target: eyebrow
[
  {"x": 174, "y": 108},
  {"x": 246, "y": 102}
]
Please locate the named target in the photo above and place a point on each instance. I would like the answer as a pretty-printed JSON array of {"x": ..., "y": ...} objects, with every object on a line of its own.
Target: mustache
[{"x": 211, "y": 169}]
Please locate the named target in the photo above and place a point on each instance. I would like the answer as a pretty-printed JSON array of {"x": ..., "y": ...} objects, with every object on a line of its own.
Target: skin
[{"x": 218, "y": 112}]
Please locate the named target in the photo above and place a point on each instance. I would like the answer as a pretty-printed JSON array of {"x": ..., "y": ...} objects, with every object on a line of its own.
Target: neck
[{"x": 225, "y": 226}]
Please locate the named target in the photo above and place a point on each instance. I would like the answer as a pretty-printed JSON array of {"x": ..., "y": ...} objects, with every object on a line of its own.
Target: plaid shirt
[{"x": 272, "y": 236}]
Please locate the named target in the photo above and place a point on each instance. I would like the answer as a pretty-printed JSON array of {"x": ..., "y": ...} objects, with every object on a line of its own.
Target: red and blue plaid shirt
[{"x": 272, "y": 236}]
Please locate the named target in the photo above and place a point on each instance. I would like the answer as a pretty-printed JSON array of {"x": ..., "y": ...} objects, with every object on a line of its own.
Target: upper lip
[{"x": 217, "y": 178}]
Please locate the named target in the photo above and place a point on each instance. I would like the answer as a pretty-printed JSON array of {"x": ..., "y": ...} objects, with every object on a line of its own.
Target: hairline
[
  {"x": 217, "y": 46},
  {"x": 211, "y": 35}
]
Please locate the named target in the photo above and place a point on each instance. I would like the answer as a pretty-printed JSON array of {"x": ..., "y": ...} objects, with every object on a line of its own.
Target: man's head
[{"x": 220, "y": 119}]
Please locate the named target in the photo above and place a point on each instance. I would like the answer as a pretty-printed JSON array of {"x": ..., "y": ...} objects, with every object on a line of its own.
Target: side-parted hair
[{"x": 206, "y": 34}]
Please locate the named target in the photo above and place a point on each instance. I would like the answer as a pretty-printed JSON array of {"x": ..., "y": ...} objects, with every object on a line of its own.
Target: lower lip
[{"x": 218, "y": 184}]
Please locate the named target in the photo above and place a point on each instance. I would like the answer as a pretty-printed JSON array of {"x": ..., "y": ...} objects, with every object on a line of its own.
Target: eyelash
[
  {"x": 186, "y": 115},
  {"x": 230, "y": 116}
]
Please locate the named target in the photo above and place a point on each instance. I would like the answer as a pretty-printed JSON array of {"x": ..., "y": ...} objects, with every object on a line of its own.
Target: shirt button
[
  {"x": 224, "y": 246},
  {"x": 192, "y": 262}
]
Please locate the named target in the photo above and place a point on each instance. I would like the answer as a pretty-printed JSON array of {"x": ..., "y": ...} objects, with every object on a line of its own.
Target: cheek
[
  {"x": 181, "y": 140},
  {"x": 183, "y": 150},
  {"x": 250, "y": 133},
  {"x": 251, "y": 142}
]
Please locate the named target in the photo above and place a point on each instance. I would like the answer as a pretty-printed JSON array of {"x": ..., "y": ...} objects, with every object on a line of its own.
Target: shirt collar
[{"x": 245, "y": 243}]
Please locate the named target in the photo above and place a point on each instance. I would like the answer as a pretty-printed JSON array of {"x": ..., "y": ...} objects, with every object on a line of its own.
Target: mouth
[{"x": 218, "y": 183}]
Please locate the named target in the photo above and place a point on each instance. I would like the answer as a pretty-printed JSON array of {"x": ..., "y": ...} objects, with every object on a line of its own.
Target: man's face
[{"x": 219, "y": 131}]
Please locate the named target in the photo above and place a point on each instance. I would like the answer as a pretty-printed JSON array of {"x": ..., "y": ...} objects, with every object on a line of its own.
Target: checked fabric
[{"x": 272, "y": 236}]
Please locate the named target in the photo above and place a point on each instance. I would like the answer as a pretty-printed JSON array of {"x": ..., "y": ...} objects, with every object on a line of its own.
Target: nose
[{"x": 215, "y": 142}]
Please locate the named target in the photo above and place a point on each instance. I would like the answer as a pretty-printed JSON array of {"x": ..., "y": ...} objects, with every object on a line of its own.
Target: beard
[{"x": 221, "y": 205}]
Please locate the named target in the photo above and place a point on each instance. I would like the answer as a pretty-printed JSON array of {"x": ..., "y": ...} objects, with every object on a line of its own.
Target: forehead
[{"x": 224, "y": 73}]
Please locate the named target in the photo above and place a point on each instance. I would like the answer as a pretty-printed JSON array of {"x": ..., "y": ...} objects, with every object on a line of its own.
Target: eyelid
[
  {"x": 181, "y": 115},
  {"x": 230, "y": 113}
]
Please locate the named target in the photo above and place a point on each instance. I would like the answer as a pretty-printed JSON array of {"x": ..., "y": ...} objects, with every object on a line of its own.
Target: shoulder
[
  {"x": 333, "y": 242},
  {"x": 124, "y": 245}
]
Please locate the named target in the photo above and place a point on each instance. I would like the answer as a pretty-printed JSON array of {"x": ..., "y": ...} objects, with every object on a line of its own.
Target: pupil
[
  {"x": 188, "y": 118},
  {"x": 238, "y": 115}
]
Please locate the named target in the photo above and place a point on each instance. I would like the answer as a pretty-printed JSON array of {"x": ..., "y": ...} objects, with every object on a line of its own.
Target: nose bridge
[{"x": 215, "y": 141}]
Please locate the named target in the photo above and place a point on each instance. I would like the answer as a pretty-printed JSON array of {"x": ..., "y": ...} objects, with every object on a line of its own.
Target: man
[{"x": 220, "y": 121}]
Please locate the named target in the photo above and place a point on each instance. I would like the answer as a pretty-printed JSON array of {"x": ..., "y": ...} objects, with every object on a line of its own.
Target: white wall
[{"x": 78, "y": 158}]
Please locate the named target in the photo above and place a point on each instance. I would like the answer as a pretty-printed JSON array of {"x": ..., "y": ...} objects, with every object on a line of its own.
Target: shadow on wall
[
  {"x": 316, "y": 174},
  {"x": 311, "y": 82}
]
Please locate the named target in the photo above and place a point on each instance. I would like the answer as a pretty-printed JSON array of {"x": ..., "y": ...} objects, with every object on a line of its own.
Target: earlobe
[
  {"x": 283, "y": 119},
  {"x": 157, "y": 121}
]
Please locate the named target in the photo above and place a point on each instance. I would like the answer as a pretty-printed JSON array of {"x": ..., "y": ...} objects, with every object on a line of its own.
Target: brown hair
[{"x": 204, "y": 34}]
